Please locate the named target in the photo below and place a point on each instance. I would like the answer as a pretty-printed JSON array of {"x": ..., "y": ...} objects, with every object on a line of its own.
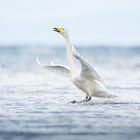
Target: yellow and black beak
[{"x": 58, "y": 29}]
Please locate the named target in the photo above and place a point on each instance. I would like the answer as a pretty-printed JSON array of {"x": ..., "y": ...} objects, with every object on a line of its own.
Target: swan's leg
[{"x": 87, "y": 98}]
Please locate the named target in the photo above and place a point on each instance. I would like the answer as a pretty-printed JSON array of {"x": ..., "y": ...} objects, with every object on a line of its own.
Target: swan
[{"x": 86, "y": 79}]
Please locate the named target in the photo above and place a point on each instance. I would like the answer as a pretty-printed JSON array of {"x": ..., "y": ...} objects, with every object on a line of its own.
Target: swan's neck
[{"x": 69, "y": 52}]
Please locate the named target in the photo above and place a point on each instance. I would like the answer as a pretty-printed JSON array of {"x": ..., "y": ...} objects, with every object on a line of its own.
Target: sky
[{"x": 90, "y": 22}]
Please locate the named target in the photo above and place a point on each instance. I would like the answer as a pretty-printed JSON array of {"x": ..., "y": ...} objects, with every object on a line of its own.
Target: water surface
[{"x": 34, "y": 104}]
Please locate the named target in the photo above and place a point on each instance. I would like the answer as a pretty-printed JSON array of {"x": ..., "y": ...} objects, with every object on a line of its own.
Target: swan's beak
[{"x": 58, "y": 29}]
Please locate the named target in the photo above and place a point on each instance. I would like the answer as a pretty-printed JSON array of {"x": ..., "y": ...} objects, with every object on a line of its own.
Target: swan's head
[{"x": 62, "y": 31}]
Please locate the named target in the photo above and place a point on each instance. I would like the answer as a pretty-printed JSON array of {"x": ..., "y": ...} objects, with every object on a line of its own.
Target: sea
[{"x": 35, "y": 103}]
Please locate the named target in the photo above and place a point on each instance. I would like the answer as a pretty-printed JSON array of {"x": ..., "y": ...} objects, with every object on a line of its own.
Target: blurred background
[
  {"x": 90, "y": 22},
  {"x": 34, "y": 103}
]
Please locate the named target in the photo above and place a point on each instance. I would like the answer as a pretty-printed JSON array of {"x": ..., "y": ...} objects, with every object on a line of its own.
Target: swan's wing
[
  {"x": 56, "y": 68},
  {"x": 87, "y": 70}
]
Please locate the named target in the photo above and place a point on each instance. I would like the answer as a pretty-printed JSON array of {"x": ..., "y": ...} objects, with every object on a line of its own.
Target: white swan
[{"x": 87, "y": 79}]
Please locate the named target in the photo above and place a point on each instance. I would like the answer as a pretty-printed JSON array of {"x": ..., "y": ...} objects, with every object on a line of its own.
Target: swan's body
[{"x": 87, "y": 79}]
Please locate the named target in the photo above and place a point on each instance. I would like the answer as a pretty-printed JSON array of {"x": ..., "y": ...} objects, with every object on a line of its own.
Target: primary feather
[
  {"x": 56, "y": 68},
  {"x": 87, "y": 70}
]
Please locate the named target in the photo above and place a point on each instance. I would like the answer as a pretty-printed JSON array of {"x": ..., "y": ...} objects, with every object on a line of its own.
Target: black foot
[
  {"x": 88, "y": 98},
  {"x": 74, "y": 102}
]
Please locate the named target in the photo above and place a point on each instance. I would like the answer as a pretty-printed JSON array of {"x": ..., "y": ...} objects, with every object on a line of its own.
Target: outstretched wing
[
  {"x": 87, "y": 70},
  {"x": 56, "y": 68}
]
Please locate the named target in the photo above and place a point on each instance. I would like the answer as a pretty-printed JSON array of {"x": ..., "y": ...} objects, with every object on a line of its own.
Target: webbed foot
[
  {"x": 88, "y": 98},
  {"x": 73, "y": 102}
]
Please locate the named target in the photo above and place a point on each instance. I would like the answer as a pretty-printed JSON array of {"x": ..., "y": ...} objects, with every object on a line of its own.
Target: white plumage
[
  {"x": 56, "y": 68},
  {"x": 86, "y": 79}
]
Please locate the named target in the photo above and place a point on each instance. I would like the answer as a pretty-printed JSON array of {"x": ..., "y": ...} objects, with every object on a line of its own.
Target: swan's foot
[
  {"x": 88, "y": 98},
  {"x": 74, "y": 102}
]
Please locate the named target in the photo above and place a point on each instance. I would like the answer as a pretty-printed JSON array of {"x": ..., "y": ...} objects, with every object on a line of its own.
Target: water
[{"x": 34, "y": 103}]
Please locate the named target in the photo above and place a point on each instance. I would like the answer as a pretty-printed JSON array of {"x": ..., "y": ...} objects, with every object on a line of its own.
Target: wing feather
[
  {"x": 87, "y": 70},
  {"x": 56, "y": 68}
]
